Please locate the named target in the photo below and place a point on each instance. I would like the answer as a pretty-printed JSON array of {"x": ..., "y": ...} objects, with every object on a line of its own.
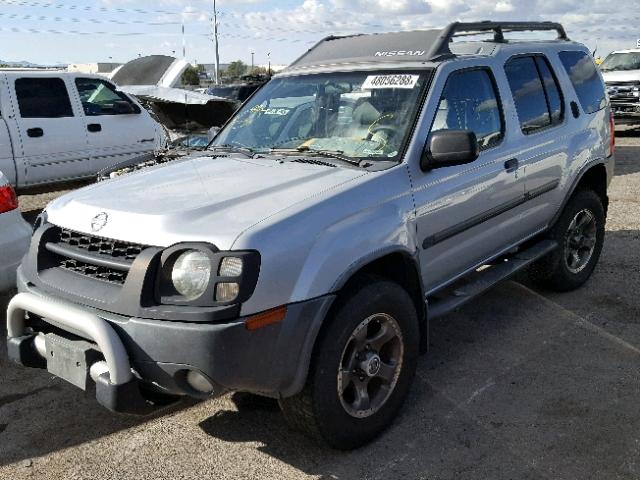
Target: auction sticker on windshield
[{"x": 390, "y": 81}]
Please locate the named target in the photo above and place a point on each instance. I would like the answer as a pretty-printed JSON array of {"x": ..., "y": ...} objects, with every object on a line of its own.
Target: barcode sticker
[{"x": 390, "y": 81}]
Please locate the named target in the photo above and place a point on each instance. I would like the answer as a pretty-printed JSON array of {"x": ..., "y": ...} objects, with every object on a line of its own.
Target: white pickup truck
[{"x": 59, "y": 126}]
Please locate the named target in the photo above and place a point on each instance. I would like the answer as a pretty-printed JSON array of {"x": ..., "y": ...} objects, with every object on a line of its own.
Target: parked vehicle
[
  {"x": 14, "y": 235},
  {"x": 621, "y": 71},
  {"x": 414, "y": 174},
  {"x": 59, "y": 126},
  {"x": 240, "y": 91}
]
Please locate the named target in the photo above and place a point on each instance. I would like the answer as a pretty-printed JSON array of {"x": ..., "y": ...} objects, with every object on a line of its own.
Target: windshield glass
[
  {"x": 357, "y": 114},
  {"x": 621, "y": 61}
]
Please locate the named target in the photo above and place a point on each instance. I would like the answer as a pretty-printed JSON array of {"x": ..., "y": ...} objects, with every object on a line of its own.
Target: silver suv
[{"x": 378, "y": 183}]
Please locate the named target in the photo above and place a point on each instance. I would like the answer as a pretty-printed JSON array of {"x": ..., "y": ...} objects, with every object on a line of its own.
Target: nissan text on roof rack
[{"x": 349, "y": 202}]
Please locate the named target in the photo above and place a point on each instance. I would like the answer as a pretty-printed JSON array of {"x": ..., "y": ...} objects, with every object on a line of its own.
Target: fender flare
[{"x": 574, "y": 185}]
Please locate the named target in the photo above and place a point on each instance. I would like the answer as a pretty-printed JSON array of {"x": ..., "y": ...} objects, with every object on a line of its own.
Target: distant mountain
[{"x": 25, "y": 64}]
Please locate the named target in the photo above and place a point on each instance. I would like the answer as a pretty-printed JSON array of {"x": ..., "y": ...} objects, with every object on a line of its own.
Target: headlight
[
  {"x": 191, "y": 274},
  {"x": 199, "y": 275}
]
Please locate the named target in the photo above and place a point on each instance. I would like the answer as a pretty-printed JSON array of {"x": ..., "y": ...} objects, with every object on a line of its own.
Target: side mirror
[
  {"x": 446, "y": 148},
  {"x": 120, "y": 107}
]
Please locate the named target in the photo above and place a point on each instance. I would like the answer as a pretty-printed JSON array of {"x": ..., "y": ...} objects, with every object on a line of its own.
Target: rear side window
[
  {"x": 585, "y": 79},
  {"x": 476, "y": 109},
  {"x": 535, "y": 92},
  {"x": 43, "y": 98},
  {"x": 552, "y": 89}
]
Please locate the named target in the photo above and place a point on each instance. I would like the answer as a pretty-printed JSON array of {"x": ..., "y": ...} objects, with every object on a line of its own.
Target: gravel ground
[{"x": 538, "y": 386}]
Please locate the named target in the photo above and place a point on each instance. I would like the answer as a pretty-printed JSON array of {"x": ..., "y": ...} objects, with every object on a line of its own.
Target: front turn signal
[{"x": 265, "y": 319}]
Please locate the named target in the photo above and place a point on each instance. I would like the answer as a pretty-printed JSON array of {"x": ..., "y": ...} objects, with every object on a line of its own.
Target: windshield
[
  {"x": 621, "y": 61},
  {"x": 357, "y": 114}
]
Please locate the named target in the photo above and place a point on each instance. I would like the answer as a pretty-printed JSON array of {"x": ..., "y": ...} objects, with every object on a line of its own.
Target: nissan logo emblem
[{"x": 99, "y": 221}]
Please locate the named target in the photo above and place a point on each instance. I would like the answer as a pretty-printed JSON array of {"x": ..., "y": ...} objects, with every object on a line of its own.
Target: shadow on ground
[{"x": 513, "y": 387}]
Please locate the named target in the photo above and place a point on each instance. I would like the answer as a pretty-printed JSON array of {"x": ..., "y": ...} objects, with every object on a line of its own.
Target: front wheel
[
  {"x": 580, "y": 235},
  {"x": 362, "y": 368}
]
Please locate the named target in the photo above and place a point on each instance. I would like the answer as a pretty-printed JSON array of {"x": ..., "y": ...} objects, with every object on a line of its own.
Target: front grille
[
  {"x": 94, "y": 271},
  {"x": 100, "y": 246},
  {"x": 94, "y": 257},
  {"x": 624, "y": 94}
]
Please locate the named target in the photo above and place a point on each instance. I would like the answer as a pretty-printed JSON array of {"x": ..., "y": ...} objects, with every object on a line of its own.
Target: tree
[
  {"x": 191, "y": 76},
  {"x": 236, "y": 69},
  {"x": 258, "y": 71}
]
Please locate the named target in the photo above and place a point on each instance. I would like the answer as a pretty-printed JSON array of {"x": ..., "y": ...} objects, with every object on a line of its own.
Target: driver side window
[{"x": 470, "y": 102}]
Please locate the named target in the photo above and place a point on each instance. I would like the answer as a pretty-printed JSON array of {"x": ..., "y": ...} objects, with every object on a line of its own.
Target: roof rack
[
  {"x": 412, "y": 46},
  {"x": 498, "y": 28}
]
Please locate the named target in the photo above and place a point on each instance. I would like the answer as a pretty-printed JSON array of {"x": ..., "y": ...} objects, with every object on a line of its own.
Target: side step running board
[{"x": 478, "y": 282}]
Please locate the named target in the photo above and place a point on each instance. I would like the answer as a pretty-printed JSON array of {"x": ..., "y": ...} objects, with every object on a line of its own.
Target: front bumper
[{"x": 140, "y": 354}]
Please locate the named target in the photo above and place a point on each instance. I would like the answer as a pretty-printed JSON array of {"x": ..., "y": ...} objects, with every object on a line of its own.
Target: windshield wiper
[
  {"x": 337, "y": 154},
  {"x": 234, "y": 149}
]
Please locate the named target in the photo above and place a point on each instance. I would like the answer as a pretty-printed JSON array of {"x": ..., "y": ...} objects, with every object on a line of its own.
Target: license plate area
[{"x": 70, "y": 359}]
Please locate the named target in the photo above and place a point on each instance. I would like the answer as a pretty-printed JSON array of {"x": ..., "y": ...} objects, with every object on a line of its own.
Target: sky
[{"x": 84, "y": 31}]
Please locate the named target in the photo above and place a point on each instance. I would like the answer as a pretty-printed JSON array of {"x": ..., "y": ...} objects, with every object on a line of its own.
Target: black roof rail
[{"x": 498, "y": 29}]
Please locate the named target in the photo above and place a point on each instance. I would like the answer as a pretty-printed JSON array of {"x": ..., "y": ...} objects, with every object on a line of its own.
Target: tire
[
  {"x": 559, "y": 271},
  {"x": 336, "y": 419}
]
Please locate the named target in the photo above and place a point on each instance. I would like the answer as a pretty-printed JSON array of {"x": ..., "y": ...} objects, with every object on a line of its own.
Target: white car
[
  {"x": 621, "y": 72},
  {"x": 59, "y": 126},
  {"x": 14, "y": 235}
]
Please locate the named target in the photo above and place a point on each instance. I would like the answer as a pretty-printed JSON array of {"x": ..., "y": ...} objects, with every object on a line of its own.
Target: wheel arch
[
  {"x": 593, "y": 176},
  {"x": 398, "y": 266}
]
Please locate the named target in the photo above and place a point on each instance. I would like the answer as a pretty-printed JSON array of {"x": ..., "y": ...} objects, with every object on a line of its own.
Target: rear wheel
[
  {"x": 362, "y": 367},
  {"x": 580, "y": 236}
]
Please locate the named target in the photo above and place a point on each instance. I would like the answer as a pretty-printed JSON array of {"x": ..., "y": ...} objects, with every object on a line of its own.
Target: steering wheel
[{"x": 390, "y": 131}]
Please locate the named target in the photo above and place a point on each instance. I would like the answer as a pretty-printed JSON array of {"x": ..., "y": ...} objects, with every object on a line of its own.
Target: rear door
[
  {"x": 543, "y": 134},
  {"x": 49, "y": 136},
  {"x": 118, "y": 129},
  {"x": 468, "y": 213}
]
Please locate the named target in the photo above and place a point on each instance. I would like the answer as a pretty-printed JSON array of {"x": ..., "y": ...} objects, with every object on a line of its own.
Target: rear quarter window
[{"x": 585, "y": 79}]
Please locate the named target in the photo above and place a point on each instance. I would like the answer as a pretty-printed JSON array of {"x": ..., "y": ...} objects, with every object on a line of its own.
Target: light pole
[
  {"x": 215, "y": 37},
  {"x": 252, "y": 54},
  {"x": 269, "y": 69}
]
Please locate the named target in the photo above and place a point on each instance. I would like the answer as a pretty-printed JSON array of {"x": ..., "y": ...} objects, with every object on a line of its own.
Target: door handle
[
  {"x": 35, "y": 132},
  {"x": 94, "y": 127},
  {"x": 511, "y": 165}
]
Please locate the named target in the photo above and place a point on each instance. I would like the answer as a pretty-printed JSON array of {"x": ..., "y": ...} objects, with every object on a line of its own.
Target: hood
[
  {"x": 207, "y": 199},
  {"x": 621, "y": 76}
]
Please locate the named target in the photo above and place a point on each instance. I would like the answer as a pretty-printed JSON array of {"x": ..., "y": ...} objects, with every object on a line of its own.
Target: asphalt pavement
[{"x": 519, "y": 384}]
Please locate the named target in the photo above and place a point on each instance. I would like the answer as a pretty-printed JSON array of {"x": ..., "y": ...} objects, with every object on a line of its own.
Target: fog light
[
  {"x": 227, "y": 292},
  {"x": 199, "y": 382}
]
